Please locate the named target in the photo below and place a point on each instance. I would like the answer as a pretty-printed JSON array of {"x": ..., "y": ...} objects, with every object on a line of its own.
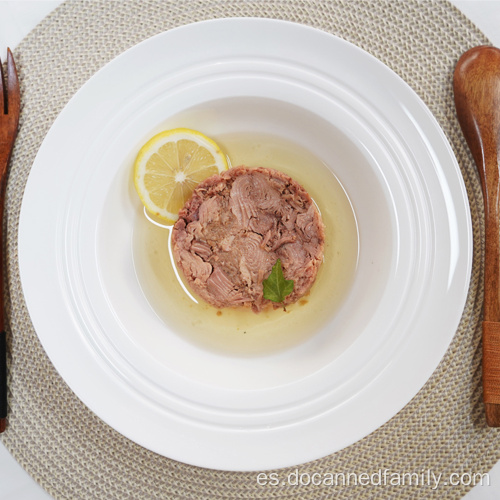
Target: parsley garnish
[{"x": 276, "y": 287}]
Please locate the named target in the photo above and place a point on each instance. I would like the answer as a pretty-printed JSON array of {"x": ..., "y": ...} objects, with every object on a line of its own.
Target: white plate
[{"x": 377, "y": 349}]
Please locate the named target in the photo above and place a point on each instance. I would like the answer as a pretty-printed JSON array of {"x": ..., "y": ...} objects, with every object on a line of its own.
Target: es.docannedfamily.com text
[{"x": 382, "y": 477}]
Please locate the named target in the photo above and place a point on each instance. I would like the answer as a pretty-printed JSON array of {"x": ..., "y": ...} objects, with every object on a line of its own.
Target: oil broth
[{"x": 240, "y": 331}]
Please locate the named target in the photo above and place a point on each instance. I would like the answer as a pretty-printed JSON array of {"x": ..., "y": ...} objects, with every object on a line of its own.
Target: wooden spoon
[{"x": 476, "y": 85}]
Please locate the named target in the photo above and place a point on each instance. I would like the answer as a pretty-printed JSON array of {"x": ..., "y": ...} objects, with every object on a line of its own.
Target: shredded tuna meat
[{"x": 234, "y": 228}]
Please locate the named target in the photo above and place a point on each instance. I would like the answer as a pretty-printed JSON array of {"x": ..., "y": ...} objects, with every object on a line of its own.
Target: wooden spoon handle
[{"x": 476, "y": 86}]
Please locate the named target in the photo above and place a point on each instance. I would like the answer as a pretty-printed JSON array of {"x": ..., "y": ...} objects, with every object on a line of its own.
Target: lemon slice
[{"x": 170, "y": 165}]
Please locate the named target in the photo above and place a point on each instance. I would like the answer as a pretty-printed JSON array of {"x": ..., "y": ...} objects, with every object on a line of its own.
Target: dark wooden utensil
[
  {"x": 9, "y": 120},
  {"x": 476, "y": 86}
]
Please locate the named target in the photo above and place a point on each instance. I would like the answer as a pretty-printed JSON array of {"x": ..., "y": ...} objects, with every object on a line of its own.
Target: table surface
[{"x": 17, "y": 19}]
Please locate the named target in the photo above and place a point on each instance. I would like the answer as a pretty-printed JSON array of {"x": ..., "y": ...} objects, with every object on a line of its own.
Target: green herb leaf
[{"x": 276, "y": 287}]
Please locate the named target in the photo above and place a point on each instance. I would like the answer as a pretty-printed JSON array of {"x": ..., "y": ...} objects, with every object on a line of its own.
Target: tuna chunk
[{"x": 236, "y": 226}]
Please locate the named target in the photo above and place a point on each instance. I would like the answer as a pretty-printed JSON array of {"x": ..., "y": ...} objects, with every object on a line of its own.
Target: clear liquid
[{"x": 240, "y": 331}]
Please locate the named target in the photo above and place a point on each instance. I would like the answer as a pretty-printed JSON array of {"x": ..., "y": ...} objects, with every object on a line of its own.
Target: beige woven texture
[{"x": 70, "y": 451}]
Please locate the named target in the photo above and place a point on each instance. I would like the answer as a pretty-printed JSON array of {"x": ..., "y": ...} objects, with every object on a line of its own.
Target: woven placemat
[{"x": 71, "y": 452}]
